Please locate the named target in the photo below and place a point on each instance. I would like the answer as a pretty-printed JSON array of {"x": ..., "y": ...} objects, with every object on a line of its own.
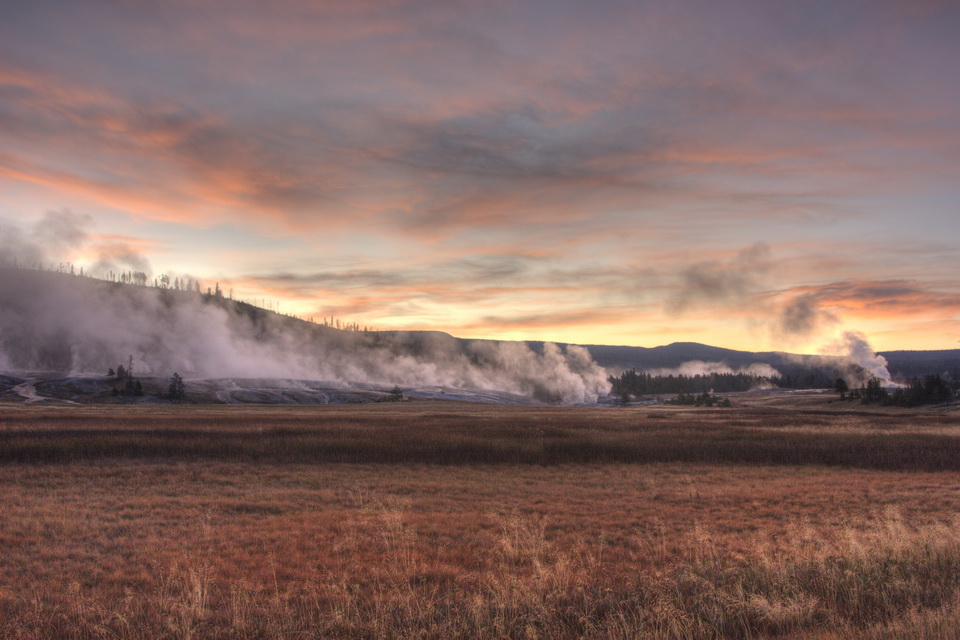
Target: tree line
[
  {"x": 930, "y": 389},
  {"x": 640, "y": 383},
  {"x": 129, "y": 386},
  {"x": 698, "y": 389}
]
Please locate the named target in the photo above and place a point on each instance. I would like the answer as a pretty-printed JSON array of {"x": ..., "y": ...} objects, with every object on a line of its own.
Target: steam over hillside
[{"x": 53, "y": 321}]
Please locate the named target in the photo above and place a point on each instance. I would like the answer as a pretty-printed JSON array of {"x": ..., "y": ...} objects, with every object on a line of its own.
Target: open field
[
  {"x": 797, "y": 430},
  {"x": 779, "y": 518}
]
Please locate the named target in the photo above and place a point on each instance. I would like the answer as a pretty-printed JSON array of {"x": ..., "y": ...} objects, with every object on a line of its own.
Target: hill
[
  {"x": 73, "y": 324},
  {"x": 901, "y": 364},
  {"x": 69, "y": 324},
  {"x": 909, "y": 364}
]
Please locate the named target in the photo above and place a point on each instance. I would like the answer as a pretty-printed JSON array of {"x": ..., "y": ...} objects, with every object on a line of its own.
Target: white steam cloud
[
  {"x": 852, "y": 357},
  {"x": 72, "y": 324},
  {"x": 854, "y": 348},
  {"x": 57, "y": 236}
]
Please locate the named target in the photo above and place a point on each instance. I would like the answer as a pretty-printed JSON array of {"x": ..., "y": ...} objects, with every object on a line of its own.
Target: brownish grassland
[{"x": 434, "y": 520}]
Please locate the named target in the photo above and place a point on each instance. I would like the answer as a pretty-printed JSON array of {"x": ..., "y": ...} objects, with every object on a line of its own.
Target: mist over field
[{"x": 78, "y": 325}]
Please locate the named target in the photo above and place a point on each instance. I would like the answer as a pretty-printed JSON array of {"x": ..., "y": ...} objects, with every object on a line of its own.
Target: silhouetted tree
[
  {"x": 930, "y": 390},
  {"x": 874, "y": 391},
  {"x": 175, "y": 391},
  {"x": 840, "y": 386},
  {"x": 704, "y": 399}
]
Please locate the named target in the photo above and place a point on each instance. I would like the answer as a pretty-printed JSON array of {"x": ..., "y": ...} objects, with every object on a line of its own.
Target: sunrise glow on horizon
[{"x": 751, "y": 175}]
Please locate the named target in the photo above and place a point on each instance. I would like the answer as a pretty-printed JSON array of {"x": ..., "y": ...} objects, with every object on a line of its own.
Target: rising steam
[
  {"x": 57, "y": 236},
  {"x": 738, "y": 283},
  {"x": 855, "y": 349},
  {"x": 804, "y": 316},
  {"x": 71, "y": 324}
]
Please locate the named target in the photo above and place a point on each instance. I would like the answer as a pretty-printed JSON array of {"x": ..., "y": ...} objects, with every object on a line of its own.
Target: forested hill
[
  {"x": 901, "y": 364},
  {"x": 63, "y": 322},
  {"x": 54, "y": 321},
  {"x": 910, "y": 364},
  {"x": 672, "y": 355}
]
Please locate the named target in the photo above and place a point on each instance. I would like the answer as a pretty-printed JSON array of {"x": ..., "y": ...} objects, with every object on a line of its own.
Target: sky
[{"x": 749, "y": 174}]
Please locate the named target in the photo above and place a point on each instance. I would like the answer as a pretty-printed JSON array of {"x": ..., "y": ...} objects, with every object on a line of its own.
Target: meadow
[{"x": 781, "y": 517}]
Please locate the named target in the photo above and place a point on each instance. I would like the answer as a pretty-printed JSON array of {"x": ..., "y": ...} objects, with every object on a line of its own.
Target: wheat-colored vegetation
[{"x": 439, "y": 521}]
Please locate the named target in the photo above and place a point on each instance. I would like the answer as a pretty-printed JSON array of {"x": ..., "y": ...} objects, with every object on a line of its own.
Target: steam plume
[
  {"x": 71, "y": 324},
  {"x": 60, "y": 234},
  {"x": 803, "y": 316},
  {"x": 855, "y": 348},
  {"x": 722, "y": 282}
]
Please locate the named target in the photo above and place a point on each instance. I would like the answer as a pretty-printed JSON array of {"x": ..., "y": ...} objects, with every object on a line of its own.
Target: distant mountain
[
  {"x": 901, "y": 364},
  {"x": 670, "y": 356},
  {"x": 908, "y": 364}
]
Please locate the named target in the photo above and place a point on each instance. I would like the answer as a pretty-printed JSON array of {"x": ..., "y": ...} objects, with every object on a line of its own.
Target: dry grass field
[{"x": 779, "y": 518}]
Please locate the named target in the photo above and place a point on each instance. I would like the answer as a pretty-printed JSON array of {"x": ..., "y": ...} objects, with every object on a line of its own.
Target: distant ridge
[
  {"x": 58, "y": 321},
  {"x": 902, "y": 364},
  {"x": 669, "y": 356},
  {"x": 907, "y": 364}
]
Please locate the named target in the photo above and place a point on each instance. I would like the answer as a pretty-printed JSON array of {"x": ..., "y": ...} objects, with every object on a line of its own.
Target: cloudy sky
[{"x": 751, "y": 174}]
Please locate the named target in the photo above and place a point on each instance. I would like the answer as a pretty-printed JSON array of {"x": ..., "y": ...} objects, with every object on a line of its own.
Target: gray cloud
[
  {"x": 360, "y": 111},
  {"x": 522, "y": 143},
  {"x": 524, "y": 123},
  {"x": 468, "y": 271},
  {"x": 729, "y": 282},
  {"x": 802, "y": 316}
]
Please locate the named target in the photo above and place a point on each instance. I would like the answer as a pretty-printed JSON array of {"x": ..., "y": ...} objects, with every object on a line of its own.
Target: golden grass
[{"x": 216, "y": 548}]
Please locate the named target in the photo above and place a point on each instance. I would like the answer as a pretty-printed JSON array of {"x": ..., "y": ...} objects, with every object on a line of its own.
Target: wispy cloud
[{"x": 479, "y": 163}]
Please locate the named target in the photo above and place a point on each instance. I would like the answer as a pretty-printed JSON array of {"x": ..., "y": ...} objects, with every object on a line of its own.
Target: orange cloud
[{"x": 509, "y": 163}]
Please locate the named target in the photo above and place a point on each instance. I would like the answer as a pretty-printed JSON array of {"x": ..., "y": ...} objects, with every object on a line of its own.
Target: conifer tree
[{"x": 175, "y": 391}]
